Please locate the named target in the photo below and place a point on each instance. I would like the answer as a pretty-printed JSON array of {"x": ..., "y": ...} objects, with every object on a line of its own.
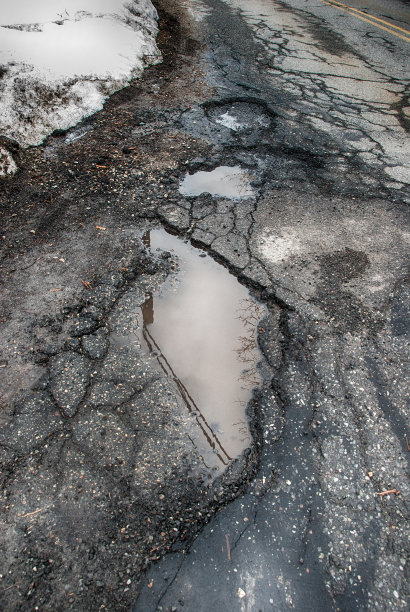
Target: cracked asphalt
[{"x": 104, "y": 501}]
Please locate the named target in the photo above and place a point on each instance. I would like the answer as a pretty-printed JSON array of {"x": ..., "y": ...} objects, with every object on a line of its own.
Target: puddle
[
  {"x": 225, "y": 181},
  {"x": 201, "y": 328}
]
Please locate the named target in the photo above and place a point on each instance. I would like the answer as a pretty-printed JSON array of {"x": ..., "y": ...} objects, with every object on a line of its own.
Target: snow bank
[{"x": 60, "y": 59}]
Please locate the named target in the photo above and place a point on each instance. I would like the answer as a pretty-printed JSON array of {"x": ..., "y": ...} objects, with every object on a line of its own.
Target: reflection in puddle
[
  {"x": 225, "y": 181},
  {"x": 201, "y": 328}
]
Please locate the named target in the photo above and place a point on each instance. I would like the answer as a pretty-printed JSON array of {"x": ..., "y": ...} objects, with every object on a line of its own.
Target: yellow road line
[
  {"x": 351, "y": 8},
  {"x": 369, "y": 19}
]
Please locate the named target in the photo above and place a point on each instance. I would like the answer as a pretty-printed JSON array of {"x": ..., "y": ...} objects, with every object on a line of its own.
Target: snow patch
[
  {"x": 77, "y": 49},
  {"x": 229, "y": 121},
  {"x": 7, "y": 164},
  {"x": 40, "y": 11},
  {"x": 61, "y": 59},
  {"x": 76, "y": 135},
  {"x": 197, "y": 9}
]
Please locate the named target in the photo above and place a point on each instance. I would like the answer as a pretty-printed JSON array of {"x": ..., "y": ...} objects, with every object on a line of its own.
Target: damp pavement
[{"x": 106, "y": 501}]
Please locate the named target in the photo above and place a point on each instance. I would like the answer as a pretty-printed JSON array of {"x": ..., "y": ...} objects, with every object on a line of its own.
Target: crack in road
[{"x": 323, "y": 244}]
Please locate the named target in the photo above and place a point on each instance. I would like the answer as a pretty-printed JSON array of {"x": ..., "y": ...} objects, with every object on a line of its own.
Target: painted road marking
[{"x": 350, "y": 10}]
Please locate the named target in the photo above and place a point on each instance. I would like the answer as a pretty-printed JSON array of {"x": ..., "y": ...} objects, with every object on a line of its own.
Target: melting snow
[
  {"x": 7, "y": 164},
  {"x": 197, "y": 9},
  {"x": 229, "y": 121},
  {"x": 60, "y": 60}
]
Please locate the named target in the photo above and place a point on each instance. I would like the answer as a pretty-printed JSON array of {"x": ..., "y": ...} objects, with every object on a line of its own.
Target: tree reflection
[
  {"x": 212, "y": 439},
  {"x": 249, "y": 313}
]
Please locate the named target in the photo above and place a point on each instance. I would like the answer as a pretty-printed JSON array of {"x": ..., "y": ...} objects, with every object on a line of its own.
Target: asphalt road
[
  {"x": 105, "y": 504},
  {"x": 313, "y": 531}
]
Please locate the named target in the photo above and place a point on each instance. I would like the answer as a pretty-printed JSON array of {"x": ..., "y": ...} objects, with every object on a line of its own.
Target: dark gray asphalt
[
  {"x": 100, "y": 478},
  {"x": 310, "y": 533}
]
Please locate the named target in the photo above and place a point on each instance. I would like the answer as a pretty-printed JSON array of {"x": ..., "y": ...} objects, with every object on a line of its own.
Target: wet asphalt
[
  {"x": 106, "y": 504},
  {"x": 311, "y": 530}
]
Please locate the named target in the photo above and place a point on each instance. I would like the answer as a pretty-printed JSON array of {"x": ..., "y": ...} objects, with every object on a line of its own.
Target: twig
[
  {"x": 13, "y": 585},
  {"x": 86, "y": 285},
  {"x": 407, "y": 442},
  {"x": 156, "y": 548},
  {"x": 228, "y": 548},
  {"x": 395, "y": 491},
  {"x": 30, "y": 513}
]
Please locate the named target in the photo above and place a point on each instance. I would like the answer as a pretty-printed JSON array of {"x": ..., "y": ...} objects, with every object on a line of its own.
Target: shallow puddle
[
  {"x": 225, "y": 181},
  {"x": 201, "y": 328}
]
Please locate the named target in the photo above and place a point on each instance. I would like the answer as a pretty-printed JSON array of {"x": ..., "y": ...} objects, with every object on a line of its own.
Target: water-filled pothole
[
  {"x": 224, "y": 181},
  {"x": 201, "y": 329}
]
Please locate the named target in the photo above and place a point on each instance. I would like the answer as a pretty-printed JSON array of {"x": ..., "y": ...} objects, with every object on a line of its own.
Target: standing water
[
  {"x": 225, "y": 181},
  {"x": 201, "y": 328}
]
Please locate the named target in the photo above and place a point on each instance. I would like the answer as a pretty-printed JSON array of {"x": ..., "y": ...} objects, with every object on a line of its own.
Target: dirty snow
[
  {"x": 197, "y": 9},
  {"x": 7, "y": 164},
  {"x": 229, "y": 121},
  {"x": 60, "y": 60}
]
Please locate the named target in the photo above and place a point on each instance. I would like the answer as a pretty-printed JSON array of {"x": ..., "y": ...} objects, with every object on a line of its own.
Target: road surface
[{"x": 104, "y": 502}]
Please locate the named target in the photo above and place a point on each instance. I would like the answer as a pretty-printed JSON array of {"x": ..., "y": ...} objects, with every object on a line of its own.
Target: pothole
[
  {"x": 201, "y": 329},
  {"x": 224, "y": 181}
]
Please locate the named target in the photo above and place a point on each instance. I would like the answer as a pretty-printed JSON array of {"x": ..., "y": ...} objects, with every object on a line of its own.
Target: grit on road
[{"x": 106, "y": 504}]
